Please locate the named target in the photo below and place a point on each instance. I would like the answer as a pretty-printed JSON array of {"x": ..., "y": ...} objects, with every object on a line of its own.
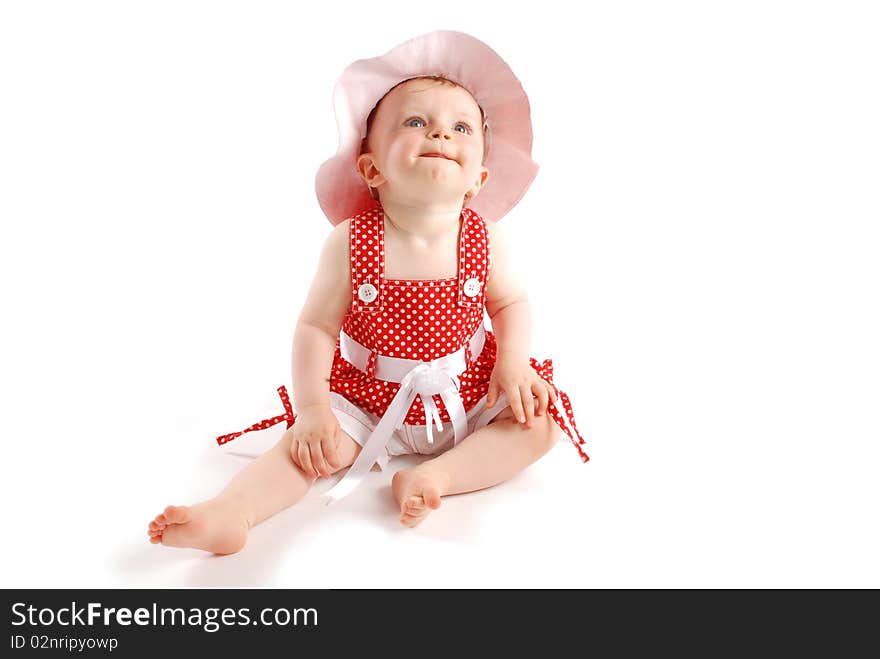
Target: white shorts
[{"x": 410, "y": 439}]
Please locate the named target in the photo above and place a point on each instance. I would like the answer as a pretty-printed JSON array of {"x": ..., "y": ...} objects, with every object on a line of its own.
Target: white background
[{"x": 700, "y": 247}]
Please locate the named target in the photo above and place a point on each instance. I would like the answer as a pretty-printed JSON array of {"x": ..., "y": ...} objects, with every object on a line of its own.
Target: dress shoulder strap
[
  {"x": 367, "y": 254},
  {"x": 473, "y": 265}
]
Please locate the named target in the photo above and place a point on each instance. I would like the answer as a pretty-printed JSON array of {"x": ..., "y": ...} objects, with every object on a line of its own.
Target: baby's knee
[
  {"x": 544, "y": 433},
  {"x": 347, "y": 450}
]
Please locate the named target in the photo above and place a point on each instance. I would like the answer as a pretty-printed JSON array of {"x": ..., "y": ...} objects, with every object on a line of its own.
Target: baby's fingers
[
  {"x": 492, "y": 394},
  {"x": 543, "y": 397},
  {"x": 318, "y": 460},
  {"x": 305, "y": 460},
  {"x": 328, "y": 445},
  {"x": 528, "y": 402},
  {"x": 294, "y": 453},
  {"x": 550, "y": 392},
  {"x": 516, "y": 406}
]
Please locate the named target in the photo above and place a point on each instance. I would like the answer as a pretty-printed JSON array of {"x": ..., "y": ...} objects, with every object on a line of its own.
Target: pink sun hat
[{"x": 342, "y": 193}]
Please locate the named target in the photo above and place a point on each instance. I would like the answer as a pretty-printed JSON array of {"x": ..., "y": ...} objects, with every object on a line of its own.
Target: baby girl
[{"x": 435, "y": 142}]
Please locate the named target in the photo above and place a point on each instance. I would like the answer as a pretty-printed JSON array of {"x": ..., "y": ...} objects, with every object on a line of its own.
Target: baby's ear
[
  {"x": 481, "y": 181},
  {"x": 366, "y": 167}
]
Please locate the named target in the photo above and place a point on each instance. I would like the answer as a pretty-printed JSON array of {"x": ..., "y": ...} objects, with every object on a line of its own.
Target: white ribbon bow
[{"x": 424, "y": 380}]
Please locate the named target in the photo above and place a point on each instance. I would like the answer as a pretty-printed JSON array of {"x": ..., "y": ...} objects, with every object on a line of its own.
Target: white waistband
[{"x": 394, "y": 369}]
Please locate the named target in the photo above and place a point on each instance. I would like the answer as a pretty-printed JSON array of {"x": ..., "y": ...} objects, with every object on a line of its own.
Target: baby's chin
[{"x": 424, "y": 195}]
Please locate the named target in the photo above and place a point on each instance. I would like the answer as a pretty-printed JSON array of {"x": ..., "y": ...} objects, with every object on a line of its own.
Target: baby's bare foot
[
  {"x": 418, "y": 491},
  {"x": 214, "y": 526}
]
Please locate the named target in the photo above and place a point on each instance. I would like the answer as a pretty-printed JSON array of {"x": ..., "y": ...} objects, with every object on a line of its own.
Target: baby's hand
[
  {"x": 521, "y": 383},
  {"x": 315, "y": 440}
]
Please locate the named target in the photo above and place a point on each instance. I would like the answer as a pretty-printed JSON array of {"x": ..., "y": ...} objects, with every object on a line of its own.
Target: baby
[{"x": 394, "y": 315}]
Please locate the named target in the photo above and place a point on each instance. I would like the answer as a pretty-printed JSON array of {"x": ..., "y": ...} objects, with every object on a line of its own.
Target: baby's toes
[
  {"x": 413, "y": 505},
  {"x": 414, "y": 511},
  {"x": 176, "y": 514},
  {"x": 410, "y": 520},
  {"x": 155, "y": 533}
]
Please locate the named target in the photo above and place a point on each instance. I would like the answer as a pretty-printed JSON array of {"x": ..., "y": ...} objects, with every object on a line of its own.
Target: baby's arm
[
  {"x": 320, "y": 320},
  {"x": 508, "y": 306},
  {"x": 506, "y": 300}
]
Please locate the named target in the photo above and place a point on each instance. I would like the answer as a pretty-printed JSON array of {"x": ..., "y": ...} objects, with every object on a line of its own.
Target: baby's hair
[{"x": 437, "y": 78}]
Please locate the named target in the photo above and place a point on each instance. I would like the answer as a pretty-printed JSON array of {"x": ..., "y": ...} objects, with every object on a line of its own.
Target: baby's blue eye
[
  {"x": 467, "y": 128},
  {"x": 409, "y": 122}
]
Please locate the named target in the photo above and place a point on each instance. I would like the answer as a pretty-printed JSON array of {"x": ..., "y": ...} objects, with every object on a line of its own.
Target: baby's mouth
[{"x": 434, "y": 154}]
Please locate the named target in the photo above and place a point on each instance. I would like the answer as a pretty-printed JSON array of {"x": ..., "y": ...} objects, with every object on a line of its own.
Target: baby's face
[{"x": 415, "y": 120}]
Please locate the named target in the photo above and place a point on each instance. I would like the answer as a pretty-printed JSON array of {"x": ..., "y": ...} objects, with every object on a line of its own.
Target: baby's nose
[{"x": 439, "y": 133}]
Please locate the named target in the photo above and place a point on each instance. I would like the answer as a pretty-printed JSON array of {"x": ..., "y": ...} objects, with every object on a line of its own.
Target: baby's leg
[
  {"x": 489, "y": 456},
  {"x": 268, "y": 485}
]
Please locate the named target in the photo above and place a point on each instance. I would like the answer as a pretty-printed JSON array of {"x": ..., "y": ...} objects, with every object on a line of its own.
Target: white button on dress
[
  {"x": 367, "y": 292},
  {"x": 472, "y": 287}
]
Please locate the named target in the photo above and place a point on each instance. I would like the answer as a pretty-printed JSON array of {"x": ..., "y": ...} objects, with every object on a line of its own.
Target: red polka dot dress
[{"x": 418, "y": 320}]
